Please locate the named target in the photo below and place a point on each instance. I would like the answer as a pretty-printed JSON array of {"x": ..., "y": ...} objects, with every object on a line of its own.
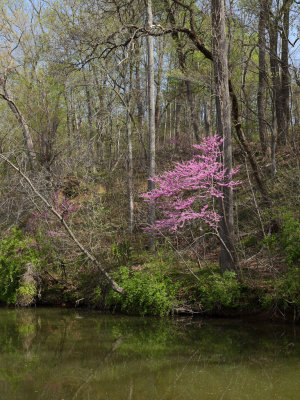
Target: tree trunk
[
  {"x": 206, "y": 117},
  {"x": 276, "y": 84},
  {"x": 130, "y": 195},
  {"x": 285, "y": 76},
  {"x": 159, "y": 85},
  {"x": 89, "y": 105},
  {"x": 262, "y": 82},
  {"x": 223, "y": 112},
  {"x": 99, "y": 84},
  {"x": 130, "y": 175},
  {"x": 177, "y": 123},
  {"x": 23, "y": 124},
  {"x": 138, "y": 89},
  {"x": 151, "y": 119},
  {"x": 182, "y": 66},
  {"x": 193, "y": 110}
]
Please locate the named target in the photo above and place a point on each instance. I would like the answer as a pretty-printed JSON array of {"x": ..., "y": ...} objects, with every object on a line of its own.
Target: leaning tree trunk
[
  {"x": 23, "y": 124},
  {"x": 60, "y": 218},
  {"x": 228, "y": 258},
  {"x": 151, "y": 118}
]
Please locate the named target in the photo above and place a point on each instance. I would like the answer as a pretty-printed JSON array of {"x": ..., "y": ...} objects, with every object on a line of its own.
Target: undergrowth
[
  {"x": 147, "y": 292},
  {"x": 16, "y": 251}
]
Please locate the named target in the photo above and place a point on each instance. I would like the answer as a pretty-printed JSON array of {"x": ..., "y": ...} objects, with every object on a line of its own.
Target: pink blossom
[
  {"x": 190, "y": 187},
  {"x": 63, "y": 206}
]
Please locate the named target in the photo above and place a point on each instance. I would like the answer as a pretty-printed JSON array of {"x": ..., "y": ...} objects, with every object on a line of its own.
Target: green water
[{"x": 57, "y": 354}]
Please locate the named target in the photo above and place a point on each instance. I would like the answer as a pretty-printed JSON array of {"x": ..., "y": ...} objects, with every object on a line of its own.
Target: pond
[{"x": 59, "y": 354}]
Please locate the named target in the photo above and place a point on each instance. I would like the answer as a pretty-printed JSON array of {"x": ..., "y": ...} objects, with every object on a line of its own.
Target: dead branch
[{"x": 70, "y": 233}]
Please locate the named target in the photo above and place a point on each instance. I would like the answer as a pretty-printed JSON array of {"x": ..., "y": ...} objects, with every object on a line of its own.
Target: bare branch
[{"x": 60, "y": 218}]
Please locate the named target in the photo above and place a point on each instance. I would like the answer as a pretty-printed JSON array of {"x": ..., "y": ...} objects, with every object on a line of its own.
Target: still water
[{"x": 58, "y": 354}]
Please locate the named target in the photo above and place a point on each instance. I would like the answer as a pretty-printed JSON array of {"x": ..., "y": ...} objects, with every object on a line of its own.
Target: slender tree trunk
[
  {"x": 177, "y": 123},
  {"x": 158, "y": 85},
  {"x": 68, "y": 123},
  {"x": 23, "y": 124},
  {"x": 285, "y": 76},
  {"x": 130, "y": 175},
  {"x": 193, "y": 110},
  {"x": 130, "y": 194},
  {"x": 140, "y": 97},
  {"x": 151, "y": 118},
  {"x": 223, "y": 111},
  {"x": 182, "y": 66},
  {"x": 89, "y": 105},
  {"x": 262, "y": 76},
  {"x": 138, "y": 89},
  {"x": 100, "y": 118},
  {"x": 206, "y": 117},
  {"x": 276, "y": 83}
]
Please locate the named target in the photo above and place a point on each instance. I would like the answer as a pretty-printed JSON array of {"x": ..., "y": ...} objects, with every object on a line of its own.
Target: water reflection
[{"x": 56, "y": 354}]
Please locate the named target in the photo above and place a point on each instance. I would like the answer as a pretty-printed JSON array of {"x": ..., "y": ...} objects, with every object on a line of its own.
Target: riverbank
[
  {"x": 157, "y": 290},
  {"x": 159, "y": 283}
]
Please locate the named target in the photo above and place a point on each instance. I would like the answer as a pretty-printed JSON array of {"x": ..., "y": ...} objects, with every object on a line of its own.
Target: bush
[
  {"x": 146, "y": 293},
  {"x": 286, "y": 292},
  {"x": 121, "y": 252},
  {"x": 216, "y": 290},
  {"x": 287, "y": 240},
  {"x": 16, "y": 251}
]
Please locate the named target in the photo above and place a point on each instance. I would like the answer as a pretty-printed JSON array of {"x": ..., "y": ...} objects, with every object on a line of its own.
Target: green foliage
[
  {"x": 121, "y": 252},
  {"x": 216, "y": 290},
  {"x": 27, "y": 290},
  {"x": 286, "y": 292},
  {"x": 16, "y": 251},
  {"x": 250, "y": 241},
  {"x": 287, "y": 240},
  {"x": 146, "y": 293}
]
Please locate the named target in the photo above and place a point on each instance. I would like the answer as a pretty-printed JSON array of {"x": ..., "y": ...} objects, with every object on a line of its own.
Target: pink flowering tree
[
  {"x": 186, "y": 194},
  {"x": 65, "y": 207}
]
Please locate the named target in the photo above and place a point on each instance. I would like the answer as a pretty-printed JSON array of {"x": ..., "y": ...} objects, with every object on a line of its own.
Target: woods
[{"x": 104, "y": 101}]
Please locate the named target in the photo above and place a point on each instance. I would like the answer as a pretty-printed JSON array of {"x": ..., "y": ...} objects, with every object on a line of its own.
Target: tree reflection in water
[{"x": 65, "y": 354}]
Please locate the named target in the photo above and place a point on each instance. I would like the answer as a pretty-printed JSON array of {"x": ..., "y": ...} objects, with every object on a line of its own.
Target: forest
[{"x": 149, "y": 156}]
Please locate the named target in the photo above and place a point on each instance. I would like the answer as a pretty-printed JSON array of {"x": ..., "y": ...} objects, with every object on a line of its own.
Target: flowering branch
[{"x": 185, "y": 193}]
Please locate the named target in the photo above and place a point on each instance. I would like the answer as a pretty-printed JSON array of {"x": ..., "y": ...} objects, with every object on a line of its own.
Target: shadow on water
[{"x": 57, "y": 354}]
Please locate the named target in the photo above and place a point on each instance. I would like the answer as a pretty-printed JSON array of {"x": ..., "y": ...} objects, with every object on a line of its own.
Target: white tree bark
[
  {"x": 151, "y": 116},
  {"x": 130, "y": 175}
]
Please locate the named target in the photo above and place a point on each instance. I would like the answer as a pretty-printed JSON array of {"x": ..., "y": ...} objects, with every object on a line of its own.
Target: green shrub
[
  {"x": 287, "y": 240},
  {"x": 121, "y": 252},
  {"x": 216, "y": 290},
  {"x": 286, "y": 292},
  {"x": 27, "y": 290},
  {"x": 146, "y": 293},
  {"x": 15, "y": 252}
]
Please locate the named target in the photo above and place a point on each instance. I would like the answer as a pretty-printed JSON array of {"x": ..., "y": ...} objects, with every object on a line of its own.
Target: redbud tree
[{"x": 186, "y": 194}]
